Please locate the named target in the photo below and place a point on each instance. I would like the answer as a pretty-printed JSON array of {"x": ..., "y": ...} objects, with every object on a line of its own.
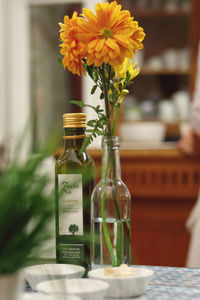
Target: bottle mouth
[
  {"x": 110, "y": 141},
  {"x": 74, "y": 120}
]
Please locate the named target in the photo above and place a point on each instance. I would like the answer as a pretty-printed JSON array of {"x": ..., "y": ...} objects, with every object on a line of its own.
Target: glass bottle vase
[{"x": 111, "y": 211}]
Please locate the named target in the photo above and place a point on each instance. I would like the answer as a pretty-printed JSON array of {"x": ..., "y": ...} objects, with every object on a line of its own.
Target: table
[{"x": 170, "y": 283}]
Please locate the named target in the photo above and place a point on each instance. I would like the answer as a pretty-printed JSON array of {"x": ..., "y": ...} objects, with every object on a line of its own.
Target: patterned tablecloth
[{"x": 172, "y": 283}]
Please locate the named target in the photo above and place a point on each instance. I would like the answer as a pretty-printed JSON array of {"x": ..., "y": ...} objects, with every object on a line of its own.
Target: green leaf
[
  {"x": 78, "y": 103},
  {"x": 98, "y": 109},
  {"x": 113, "y": 97},
  {"x": 60, "y": 61},
  {"x": 99, "y": 132},
  {"x": 128, "y": 76},
  {"x": 102, "y": 96},
  {"x": 107, "y": 67},
  {"x": 91, "y": 123},
  {"x": 101, "y": 125},
  {"x": 87, "y": 141},
  {"x": 95, "y": 76},
  {"x": 85, "y": 66},
  {"x": 92, "y": 73},
  {"x": 93, "y": 89}
]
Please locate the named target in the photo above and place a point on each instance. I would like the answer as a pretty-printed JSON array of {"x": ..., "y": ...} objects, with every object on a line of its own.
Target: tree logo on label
[{"x": 73, "y": 228}]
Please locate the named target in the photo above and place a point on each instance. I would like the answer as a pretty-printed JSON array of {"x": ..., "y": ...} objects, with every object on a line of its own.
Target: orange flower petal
[
  {"x": 100, "y": 45},
  {"x": 93, "y": 44},
  {"x": 113, "y": 45}
]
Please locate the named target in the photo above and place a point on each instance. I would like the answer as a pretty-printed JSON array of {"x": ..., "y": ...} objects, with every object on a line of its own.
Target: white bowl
[
  {"x": 38, "y": 273},
  {"x": 124, "y": 287},
  {"x": 39, "y": 296},
  {"x": 137, "y": 132},
  {"x": 86, "y": 289}
]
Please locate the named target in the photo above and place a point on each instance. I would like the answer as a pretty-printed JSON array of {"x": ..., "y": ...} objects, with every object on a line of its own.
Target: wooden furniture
[{"x": 164, "y": 186}]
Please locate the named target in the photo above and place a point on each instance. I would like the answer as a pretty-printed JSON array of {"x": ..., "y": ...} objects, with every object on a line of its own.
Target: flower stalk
[
  {"x": 105, "y": 92},
  {"x": 111, "y": 160}
]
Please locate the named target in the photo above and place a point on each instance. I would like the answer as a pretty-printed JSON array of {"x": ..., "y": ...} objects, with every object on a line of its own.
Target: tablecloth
[{"x": 172, "y": 283}]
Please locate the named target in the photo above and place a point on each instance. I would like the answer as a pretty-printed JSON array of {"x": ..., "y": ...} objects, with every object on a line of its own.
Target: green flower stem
[
  {"x": 117, "y": 212},
  {"x": 105, "y": 91},
  {"x": 119, "y": 243},
  {"x": 103, "y": 214},
  {"x": 116, "y": 110},
  {"x": 115, "y": 195},
  {"x": 108, "y": 82}
]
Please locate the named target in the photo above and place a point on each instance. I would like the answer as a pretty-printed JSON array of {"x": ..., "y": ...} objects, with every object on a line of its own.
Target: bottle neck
[
  {"x": 111, "y": 158},
  {"x": 73, "y": 138}
]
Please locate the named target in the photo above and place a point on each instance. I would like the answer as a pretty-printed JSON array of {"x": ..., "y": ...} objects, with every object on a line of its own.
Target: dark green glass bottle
[{"x": 75, "y": 177}]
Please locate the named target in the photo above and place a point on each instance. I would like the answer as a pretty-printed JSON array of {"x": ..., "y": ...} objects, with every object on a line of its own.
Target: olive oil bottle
[{"x": 75, "y": 180}]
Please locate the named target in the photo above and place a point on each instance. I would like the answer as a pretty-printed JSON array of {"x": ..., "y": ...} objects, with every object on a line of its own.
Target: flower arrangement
[{"x": 102, "y": 45}]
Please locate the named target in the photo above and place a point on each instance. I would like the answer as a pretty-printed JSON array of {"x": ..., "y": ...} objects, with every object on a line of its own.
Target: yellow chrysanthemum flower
[
  {"x": 110, "y": 35},
  {"x": 127, "y": 66},
  {"x": 120, "y": 72},
  {"x": 72, "y": 49}
]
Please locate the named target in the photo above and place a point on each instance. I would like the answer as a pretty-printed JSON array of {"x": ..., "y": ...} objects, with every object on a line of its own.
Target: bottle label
[
  {"x": 71, "y": 251},
  {"x": 70, "y": 204}
]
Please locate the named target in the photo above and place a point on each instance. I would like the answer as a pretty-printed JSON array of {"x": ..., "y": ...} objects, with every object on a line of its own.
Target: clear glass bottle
[
  {"x": 111, "y": 211},
  {"x": 75, "y": 177}
]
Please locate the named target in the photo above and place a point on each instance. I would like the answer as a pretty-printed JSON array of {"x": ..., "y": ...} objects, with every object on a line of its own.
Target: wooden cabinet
[{"x": 164, "y": 186}]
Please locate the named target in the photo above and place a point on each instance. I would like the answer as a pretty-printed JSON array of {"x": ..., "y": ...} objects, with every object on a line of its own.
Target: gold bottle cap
[{"x": 74, "y": 120}]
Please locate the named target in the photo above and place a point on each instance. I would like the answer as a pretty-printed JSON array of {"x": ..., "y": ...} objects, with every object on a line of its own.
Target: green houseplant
[{"x": 25, "y": 211}]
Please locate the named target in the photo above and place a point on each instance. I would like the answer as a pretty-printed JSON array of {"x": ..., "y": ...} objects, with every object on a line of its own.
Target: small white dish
[
  {"x": 124, "y": 287},
  {"x": 39, "y": 296},
  {"x": 38, "y": 273},
  {"x": 86, "y": 289}
]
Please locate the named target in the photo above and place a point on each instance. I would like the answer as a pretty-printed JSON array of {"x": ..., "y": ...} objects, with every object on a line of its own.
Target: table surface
[{"x": 170, "y": 283}]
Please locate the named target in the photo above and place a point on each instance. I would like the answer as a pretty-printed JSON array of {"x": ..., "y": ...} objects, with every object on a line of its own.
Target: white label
[{"x": 70, "y": 204}]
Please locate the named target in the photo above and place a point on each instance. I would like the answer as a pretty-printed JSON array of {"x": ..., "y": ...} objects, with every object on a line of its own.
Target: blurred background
[
  {"x": 35, "y": 89},
  {"x": 34, "y": 84}
]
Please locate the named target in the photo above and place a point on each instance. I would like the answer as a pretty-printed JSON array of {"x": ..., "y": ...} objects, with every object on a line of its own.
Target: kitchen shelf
[
  {"x": 150, "y": 71},
  {"x": 166, "y": 31},
  {"x": 154, "y": 13}
]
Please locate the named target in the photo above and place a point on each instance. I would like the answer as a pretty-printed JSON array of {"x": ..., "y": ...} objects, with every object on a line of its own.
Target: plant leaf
[
  {"x": 78, "y": 103},
  {"x": 93, "y": 89},
  {"x": 60, "y": 61}
]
